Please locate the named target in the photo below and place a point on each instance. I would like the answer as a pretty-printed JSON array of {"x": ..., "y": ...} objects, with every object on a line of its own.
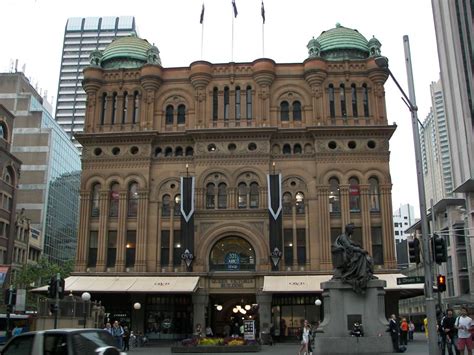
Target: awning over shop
[
  {"x": 128, "y": 284},
  {"x": 312, "y": 283}
]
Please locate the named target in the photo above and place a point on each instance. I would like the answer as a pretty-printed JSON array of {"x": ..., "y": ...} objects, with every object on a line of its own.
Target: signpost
[{"x": 410, "y": 280}]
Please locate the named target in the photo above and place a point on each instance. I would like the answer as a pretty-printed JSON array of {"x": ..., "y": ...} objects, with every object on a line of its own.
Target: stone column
[
  {"x": 121, "y": 231},
  {"x": 158, "y": 237},
  {"x": 387, "y": 227},
  {"x": 170, "y": 255},
  {"x": 83, "y": 235},
  {"x": 345, "y": 205},
  {"x": 140, "y": 263},
  {"x": 264, "y": 301},
  {"x": 200, "y": 303},
  {"x": 108, "y": 110},
  {"x": 103, "y": 219},
  {"x": 293, "y": 230},
  {"x": 365, "y": 214}
]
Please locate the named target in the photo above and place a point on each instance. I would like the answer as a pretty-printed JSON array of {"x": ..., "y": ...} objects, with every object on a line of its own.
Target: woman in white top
[{"x": 305, "y": 338}]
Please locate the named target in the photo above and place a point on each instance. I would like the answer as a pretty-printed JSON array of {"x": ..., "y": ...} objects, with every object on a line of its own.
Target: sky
[{"x": 33, "y": 33}]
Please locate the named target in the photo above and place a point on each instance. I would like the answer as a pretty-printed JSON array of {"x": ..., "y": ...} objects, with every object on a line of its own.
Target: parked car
[{"x": 62, "y": 342}]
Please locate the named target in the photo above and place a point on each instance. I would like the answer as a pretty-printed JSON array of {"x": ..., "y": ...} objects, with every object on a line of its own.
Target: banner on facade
[
  {"x": 187, "y": 215},
  {"x": 275, "y": 216}
]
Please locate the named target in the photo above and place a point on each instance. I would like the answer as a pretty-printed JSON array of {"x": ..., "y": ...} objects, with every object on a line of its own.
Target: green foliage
[{"x": 36, "y": 275}]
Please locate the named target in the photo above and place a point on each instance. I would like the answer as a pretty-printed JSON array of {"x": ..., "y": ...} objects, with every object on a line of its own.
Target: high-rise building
[
  {"x": 403, "y": 218},
  {"x": 48, "y": 188},
  {"x": 82, "y": 36},
  {"x": 453, "y": 22},
  {"x": 176, "y": 208}
]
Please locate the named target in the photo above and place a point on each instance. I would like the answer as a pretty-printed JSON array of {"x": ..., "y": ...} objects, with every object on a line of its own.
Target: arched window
[
  {"x": 181, "y": 114},
  {"x": 114, "y": 199},
  {"x": 286, "y": 149},
  {"x": 189, "y": 151},
  {"x": 124, "y": 107},
  {"x": 284, "y": 111},
  {"x": 114, "y": 107},
  {"x": 222, "y": 195},
  {"x": 177, "y": 205},
  {"x": 3, "y": 131},
  {"x": 242, "y": 188},
  {"x": 248, "y": 96},
  {"x": 332, "y": 106},
  {"x": 103, "y": 110},
  {"x": 132, "y": 196},
  {"x": 296, "y": 111},
  {"x": 287, "y": 202},
  {"x": 237, "y": 103},
  {"x": 7, "y": 177},
  {"x": 354, "y": 100},
  {"x": 365, "y": 100},
  {"x": 168, "y": 152},
  {"x": 254, "y": 195},
  {"x": 215, "y": 103},
  {"x": 169, "y": 114},
  {"x": 299, "y": 197},
  {"x": 334, "y": 196},
  {"x": 232, "y": 254},
  {"x": 342, "y": 95},
  {"x": 136, "y": 107},
  {"x": 354, "y": 195},
  {"x": 95, "y": 200},
  {"x": 297, "y": 149},
  {"x": 226, "y": 103},
  {"x": 158, "y": 152},
  {"x": 210, "y": 196},
  {"x": 178, "y": 152},
  {"x": 165, "y": 208},
  {"x": 374, "y": 194}
]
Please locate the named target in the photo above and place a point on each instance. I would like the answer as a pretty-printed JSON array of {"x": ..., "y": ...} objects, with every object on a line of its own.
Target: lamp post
[
  {"x": 427, "y": 261},
  {"x": 86, "y": 297}
]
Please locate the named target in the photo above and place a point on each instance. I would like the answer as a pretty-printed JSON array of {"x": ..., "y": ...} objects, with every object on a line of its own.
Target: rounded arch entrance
[{"x": 232, "y": 253}]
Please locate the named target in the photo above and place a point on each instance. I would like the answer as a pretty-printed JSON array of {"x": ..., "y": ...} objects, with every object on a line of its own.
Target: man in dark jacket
[
  {"x": 393, "y": 328},
  {"x": 448, "y": 333}
]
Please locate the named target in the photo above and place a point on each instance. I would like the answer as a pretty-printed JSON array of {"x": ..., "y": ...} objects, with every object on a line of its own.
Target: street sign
[{"x": 410, "y": 280}]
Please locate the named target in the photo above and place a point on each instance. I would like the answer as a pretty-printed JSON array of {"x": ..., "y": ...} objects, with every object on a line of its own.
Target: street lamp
[
  {"x": 137, "y": 306},
  {"x": 318, "y": 302},
  {"x": 86, "y": 297},
  {"x": 382, "y": 62}
]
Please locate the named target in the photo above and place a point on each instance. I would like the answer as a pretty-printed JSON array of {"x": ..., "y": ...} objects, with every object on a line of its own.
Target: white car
[{"x": 62, "y": 342}]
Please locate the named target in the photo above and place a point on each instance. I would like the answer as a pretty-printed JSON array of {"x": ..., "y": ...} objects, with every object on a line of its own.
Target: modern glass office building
[{"x": 81, "y": 37}]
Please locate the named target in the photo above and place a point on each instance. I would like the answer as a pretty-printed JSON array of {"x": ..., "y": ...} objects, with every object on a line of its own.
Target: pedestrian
[
  {"x": 108, "y": 328},
  {"x": 226, "y": 330},
  {"x": 198, "y": 331},
  {"x": 394, "y": 328},
  {"x": 17, "y": 330},
  {"x": 117, "y": 333},
  {"x": 404, "y": 332},
  {"x": 411, "y": 330},
  {"x": 126, "y": 339},
  {"x": 209, "y": 332},
  {"x": 448, "y": 333},
  {"x": 464, "y": 325},
  {"x": 425, "y": 325},
  {"x": 305, "y": 335}
]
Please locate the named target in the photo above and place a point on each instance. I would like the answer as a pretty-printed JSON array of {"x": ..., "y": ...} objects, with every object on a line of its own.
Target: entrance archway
[{"x": 232, "y": 253}]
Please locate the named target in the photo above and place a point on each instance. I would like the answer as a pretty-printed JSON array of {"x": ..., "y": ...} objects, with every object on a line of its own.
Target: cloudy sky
[{"x": 32, "y": 31}]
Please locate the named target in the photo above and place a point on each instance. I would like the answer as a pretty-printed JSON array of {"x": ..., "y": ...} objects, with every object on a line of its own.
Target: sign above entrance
[
  {"x": 232, "y": 283},
  {"x": 232, "y": 261}
]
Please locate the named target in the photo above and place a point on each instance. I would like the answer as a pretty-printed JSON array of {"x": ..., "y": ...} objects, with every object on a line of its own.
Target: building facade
[
  {"x": 48, "y": 189},
  {"x": 320, "y": 124},
  {"x": 82, "y": 36},
  {"x": 454, "y": 35},
  {"x": 403, "y": 218}
]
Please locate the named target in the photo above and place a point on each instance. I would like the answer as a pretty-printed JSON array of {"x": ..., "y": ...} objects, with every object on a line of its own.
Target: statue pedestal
[{"x": 342, "y": 308}]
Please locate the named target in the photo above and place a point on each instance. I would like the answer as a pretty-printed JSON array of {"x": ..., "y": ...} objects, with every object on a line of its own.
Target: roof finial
[{"x": 338, "y": 24}]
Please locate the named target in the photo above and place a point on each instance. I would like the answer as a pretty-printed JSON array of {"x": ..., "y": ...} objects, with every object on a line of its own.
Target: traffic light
[
  {"x": 9, "y": 308},
  {"x": 62, "y": 283},
  {"x": 10, "y": 297},
  {"x": 414, "y": 250},
  {"x": 52, "y": 288},
  {"x": 441, "y": 283},
  {"x": 440, "y": 252},
  {"x": 53, "y": 308}
]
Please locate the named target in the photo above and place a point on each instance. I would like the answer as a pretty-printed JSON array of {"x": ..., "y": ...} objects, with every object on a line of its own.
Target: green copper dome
[
  {"x": 342, "y": 43},
  {"x": 129, "y": 52}
]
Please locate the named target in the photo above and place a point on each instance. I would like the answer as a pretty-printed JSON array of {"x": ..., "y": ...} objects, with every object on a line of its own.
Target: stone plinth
[{"x": 342, "y": 307}]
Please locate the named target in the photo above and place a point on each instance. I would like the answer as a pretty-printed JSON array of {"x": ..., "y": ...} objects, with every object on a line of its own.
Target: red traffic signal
[{"x": 441, "y": 283}]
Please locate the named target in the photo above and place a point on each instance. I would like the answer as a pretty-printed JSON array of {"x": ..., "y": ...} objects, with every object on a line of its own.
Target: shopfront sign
[
  {"x": 233, "y": 283},
  {"x": 249, "y": 329}
]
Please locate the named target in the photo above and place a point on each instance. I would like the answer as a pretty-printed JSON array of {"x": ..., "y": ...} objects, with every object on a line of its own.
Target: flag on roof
[
  {"x": 263, "y": 12},
  {"x": 201, "y": 19},
  {"x": 235, "y": 8}
]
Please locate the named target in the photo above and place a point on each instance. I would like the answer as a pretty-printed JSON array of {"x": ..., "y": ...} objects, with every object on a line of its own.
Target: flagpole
[
  {"x": 232, "y": 50},
  {"x": 263, "y": 40},
  {"x": 202, "y": 38}
]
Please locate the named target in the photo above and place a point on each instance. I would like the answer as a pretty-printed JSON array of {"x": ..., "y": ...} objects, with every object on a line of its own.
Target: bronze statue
[{"x": 352, "y": 264}]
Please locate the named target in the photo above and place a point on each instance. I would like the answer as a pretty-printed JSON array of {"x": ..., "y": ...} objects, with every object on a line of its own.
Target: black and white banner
[
  {"x": 187, "y": 212},
  {"x": 275, "y": 211}
]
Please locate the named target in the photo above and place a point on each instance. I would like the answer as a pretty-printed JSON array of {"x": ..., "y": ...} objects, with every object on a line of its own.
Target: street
[{"x": 417, "y": 347}]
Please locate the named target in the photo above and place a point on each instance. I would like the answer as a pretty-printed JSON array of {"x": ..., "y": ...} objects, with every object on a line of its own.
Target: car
[{"x": 62, "y": 342}]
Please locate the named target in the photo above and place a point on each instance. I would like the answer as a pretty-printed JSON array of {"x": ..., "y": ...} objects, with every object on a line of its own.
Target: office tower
[
  {"x": 403, "y": 218},
  {"x": 81, "y": 37},
  {"x": 48, "y": 187}
]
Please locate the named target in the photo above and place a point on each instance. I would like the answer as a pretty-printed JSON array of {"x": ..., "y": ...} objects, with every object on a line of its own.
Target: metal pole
[
  {"x": 427, "y": 260},
  {"x": 10, "y": 300},
  {"x": 56, "y": 300}
]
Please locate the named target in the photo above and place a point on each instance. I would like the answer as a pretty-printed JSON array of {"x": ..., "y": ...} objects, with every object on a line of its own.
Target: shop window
[
  {"x": 232, "y": 254},
  {"x": 254, "y": 195},
  {"x": 210, "y": 196},
  {"x": 284, "y": 111}
]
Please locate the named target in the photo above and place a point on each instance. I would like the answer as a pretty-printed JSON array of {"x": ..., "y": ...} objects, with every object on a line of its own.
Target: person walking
[
  {"x": 117, "y": 333},
  {"x": 464, "y": 324},
  {"x": 411, "y": 330},
  {"x": 126, "y": 339},
  {"x": 448, "y": 333},
  {"x": 394, "y": 329},
  {"x": 404, "y": 332},
  {"x": 305, "y": 335}
]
